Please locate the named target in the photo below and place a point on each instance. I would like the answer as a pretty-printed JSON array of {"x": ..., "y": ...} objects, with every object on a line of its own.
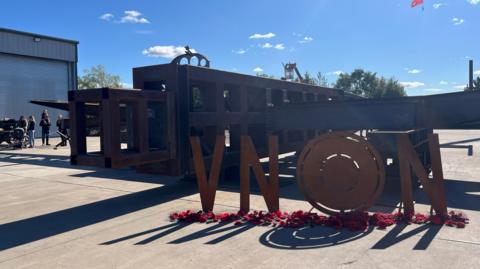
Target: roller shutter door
[{"x": 24, "y": 78}]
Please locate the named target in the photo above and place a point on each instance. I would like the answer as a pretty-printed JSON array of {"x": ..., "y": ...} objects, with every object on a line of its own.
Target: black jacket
[
  {"x": 45, "y": 123},
  {"x": 59, "y": 125},
  {"x": 31, "y": 126},
  {"x": 23, "y": 124}
]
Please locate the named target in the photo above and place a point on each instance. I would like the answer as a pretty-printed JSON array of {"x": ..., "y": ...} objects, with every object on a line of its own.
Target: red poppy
[{"x": 350, "y": 220}]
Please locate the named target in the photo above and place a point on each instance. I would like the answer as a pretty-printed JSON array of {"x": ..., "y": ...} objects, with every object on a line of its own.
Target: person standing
[
  {"x": 45, "y": 124},
  {"x": 22, "y": 123},
  {"x": 61, "y": 130},
  {"x": 31, "y": 131}
]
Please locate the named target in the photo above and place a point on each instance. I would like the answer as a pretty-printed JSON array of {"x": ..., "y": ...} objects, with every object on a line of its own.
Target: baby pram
[
  {"x": 19, "y": 138},
  {"x": 16, "y": 137}
]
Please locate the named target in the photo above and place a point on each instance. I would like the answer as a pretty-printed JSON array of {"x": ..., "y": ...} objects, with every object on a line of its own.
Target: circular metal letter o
[{"x": 340, "y": 172}]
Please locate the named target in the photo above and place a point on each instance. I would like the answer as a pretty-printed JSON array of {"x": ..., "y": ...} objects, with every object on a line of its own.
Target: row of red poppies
[{"x": 297, "y": 219}]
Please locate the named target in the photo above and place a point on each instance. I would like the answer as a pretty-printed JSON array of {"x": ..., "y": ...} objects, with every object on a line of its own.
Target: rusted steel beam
[{"x": 442, "y": 111}]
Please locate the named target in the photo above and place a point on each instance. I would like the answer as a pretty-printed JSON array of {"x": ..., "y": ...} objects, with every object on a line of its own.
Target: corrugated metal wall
[
  {"x": 23, "y": 44},
  {"x": 34, "y": 69},
  {"x": 23, "y": 79}
]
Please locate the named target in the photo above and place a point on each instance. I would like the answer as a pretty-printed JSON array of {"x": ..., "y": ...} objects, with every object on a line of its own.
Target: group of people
[{"x": 29, "y": 127}]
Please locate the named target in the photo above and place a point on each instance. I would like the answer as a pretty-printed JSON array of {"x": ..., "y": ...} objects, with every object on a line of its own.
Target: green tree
[
  {"x": 367, "y": 84},
  {"x": 309, "y": 79},
  {"x": 97, "y": 77},
  {"x": 319, "y": 80},
  {"x": 322, "y": 80},
  {"x": 393, "y": 89}
]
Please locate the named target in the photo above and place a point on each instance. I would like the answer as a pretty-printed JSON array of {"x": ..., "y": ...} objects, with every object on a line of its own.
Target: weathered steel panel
[
  {"x": 443, "y": 111},
  {"x": 346, "y": 116}
]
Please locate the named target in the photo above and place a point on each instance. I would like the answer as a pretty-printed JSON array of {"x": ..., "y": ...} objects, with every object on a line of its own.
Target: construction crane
[{"x": 290, "y": 69}]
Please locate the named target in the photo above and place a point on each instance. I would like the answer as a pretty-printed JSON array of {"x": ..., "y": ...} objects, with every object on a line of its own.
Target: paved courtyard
[{"x": 53, "y": 215}]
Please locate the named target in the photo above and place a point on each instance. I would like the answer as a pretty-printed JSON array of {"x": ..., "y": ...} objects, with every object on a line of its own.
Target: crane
[{"x": 289, "y": 70}]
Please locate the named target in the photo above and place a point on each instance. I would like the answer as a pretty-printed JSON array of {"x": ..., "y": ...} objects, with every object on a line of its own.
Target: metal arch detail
[
  {"x": 340, "y": 172},
  {"x": 202, "y": 60}
]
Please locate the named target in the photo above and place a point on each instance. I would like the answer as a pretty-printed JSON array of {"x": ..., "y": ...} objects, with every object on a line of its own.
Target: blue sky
[{"x": 427, "y": 50}]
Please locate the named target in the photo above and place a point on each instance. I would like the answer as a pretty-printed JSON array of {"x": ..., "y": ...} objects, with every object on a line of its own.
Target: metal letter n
[
  {"x": 434, "y": 188},
  {"x": 269, "y": 189}
]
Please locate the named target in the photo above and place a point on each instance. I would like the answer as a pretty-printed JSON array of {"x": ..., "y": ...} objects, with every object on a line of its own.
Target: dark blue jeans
[{"x": 45, "y": 134}]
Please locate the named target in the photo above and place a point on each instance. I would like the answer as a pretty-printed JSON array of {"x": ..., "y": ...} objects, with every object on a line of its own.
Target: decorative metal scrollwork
[{"x": 202, "y": 60}]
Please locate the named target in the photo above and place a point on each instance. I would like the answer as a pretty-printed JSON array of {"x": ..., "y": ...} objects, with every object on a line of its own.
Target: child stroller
[{"x": 19, "y": 138}]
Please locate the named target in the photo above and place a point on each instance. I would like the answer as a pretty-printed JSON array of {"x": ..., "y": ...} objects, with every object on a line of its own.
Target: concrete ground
[{"x": 53, "y": 215}]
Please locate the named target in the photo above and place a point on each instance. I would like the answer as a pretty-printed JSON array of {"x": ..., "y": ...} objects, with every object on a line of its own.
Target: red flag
[{"x": 417, "y": 3}]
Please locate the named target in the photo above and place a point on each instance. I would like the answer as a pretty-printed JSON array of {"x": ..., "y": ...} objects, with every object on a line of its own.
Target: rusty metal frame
[
  {"x": 245, "y": 119},
  {"x": 110, "y": 154},
  {"x": 202, "y": 104}
]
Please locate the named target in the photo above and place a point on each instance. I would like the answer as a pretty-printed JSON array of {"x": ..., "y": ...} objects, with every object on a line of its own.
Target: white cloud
[
  {"x": 133, "y": 16},
  {"x": 266, "y": 45},
  {"x": 477, "y": 73},
  {"x": 262, "y": 36},
  {"x": 474, "y": 2},
  {"x": 279, "y": 46},
  {"x": 438, "y": 5},
  {"x": 107, "y": 17},
  {"x": 258, "y": 70},
  {"x": 413, "y": 71},
  {"x": 336, "y": 73},
  {"x": 460, "y": 87},
  {"x": 443, "y": 82},
  {"x": 127, "y": 85},
  {"x": 457, "y": 21},
  {"x": 240, "y": 51},
  {"x": 164, "y": 51},
  {"x": 306, "y": 39},
  {"x": 412, "y": 84},
  {"x": 433, "y": 90}
]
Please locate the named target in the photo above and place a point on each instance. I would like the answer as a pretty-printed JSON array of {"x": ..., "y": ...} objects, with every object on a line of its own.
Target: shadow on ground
[
  {"x": 155, "y": 234},
  {"x": 19, "y": 157},
  {"x": 395, "y": 236},
  {"x": 285, "y": 238},
  {"x": 61, "y": 161},
  {"x": 309, "y": 237},
  {"x": 459, "y": 195},
  {"x": 32, "y": 229},
  {"x": 210, "y": 230}
]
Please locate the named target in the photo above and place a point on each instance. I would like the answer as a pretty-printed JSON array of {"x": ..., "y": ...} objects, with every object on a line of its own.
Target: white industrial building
[{"x": 32, "y": 67}]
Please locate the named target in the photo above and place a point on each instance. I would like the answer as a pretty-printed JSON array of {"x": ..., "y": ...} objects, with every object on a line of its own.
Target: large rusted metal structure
[
  {"x": 192, "y": 100},
  {"x": 150, "y": 129}
]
